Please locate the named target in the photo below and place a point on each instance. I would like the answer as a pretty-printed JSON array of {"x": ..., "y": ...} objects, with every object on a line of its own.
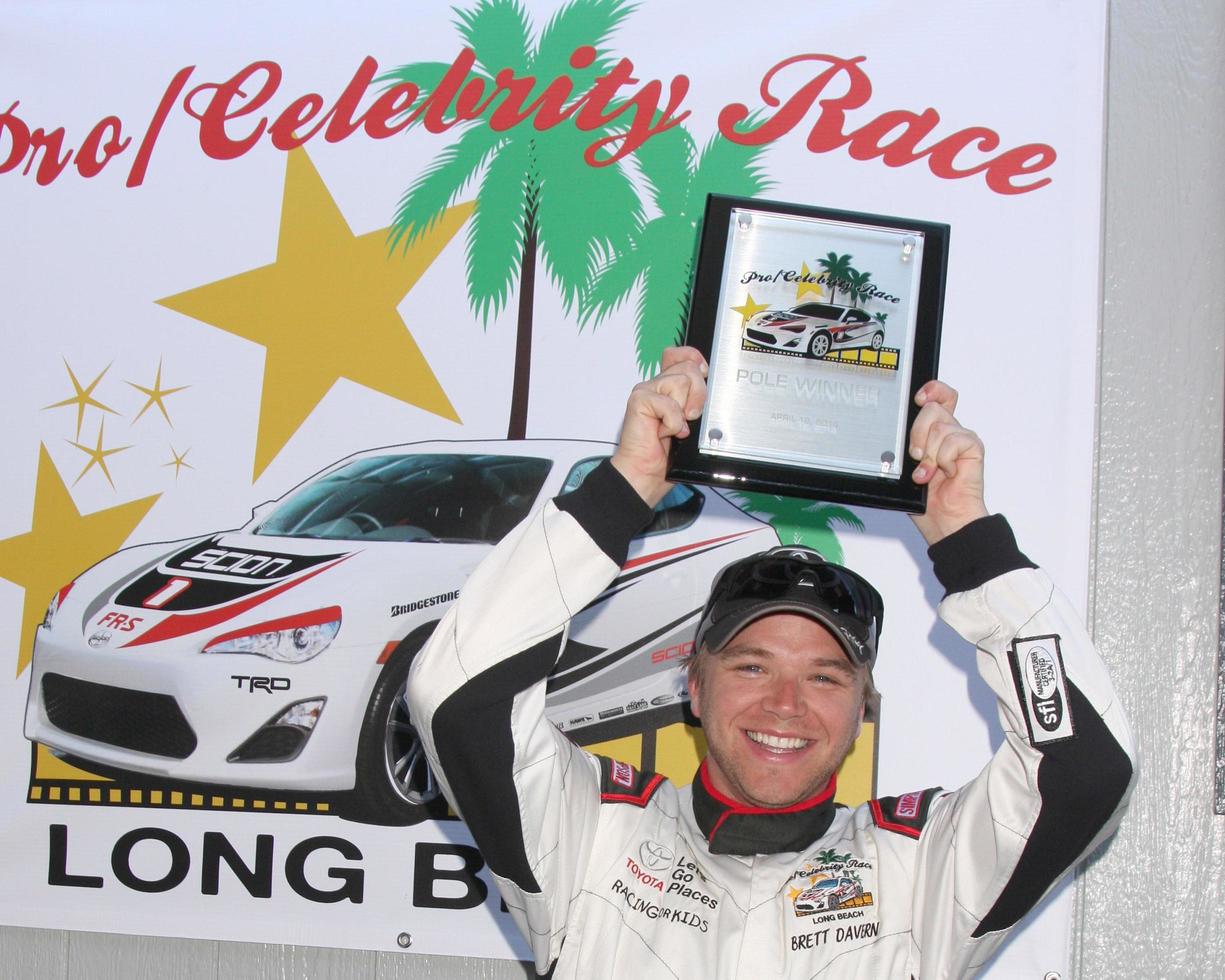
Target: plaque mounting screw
[
  {"x": 404, "y": 940},
  {"x": 908, "y": 245}
]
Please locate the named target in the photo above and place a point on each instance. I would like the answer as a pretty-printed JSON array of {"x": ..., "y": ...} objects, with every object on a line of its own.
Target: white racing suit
[{"x": 615, "y": 873}]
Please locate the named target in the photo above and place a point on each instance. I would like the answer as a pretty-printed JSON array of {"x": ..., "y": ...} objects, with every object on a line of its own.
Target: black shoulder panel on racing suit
[
  {"x": 905, "y": 814},
  {"x": 472, "y": 736},
  {"x": 622, "y": 783}
]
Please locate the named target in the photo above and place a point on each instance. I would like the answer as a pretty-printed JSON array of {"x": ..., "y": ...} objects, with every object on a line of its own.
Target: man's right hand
[{"x": 658, "y": 410}]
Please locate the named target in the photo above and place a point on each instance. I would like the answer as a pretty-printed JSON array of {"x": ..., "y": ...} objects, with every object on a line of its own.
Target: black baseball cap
[{"x": 794, "y": 579}]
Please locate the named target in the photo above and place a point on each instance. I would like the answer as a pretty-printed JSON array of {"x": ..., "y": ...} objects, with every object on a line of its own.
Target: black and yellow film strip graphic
[
  {"x": 93, "y": 794},
  {"x": 885, "y": 359}
]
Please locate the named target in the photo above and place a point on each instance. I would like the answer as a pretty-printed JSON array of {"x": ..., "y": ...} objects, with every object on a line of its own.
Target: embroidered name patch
[{"x": 1042, "y": 688}]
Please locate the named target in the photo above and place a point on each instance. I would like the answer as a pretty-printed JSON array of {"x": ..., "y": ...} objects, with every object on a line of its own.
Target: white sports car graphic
[
  {"x": 275, "y": 655},
  {"x": 814, "y": 330},
  {"x": 827, "y": 894}
]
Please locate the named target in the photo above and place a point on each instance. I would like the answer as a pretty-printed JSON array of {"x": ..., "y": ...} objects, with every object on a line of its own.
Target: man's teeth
[{"x": 776, "y": 741}]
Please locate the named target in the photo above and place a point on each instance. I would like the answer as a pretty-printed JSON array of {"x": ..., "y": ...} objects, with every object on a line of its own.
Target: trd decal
[{"x": 265, "y": 684}]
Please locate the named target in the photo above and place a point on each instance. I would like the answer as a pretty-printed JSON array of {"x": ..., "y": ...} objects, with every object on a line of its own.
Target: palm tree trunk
[{"x": 523, "y": 334}]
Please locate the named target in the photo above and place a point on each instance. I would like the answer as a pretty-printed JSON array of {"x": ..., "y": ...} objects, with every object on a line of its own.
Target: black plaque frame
[{"x": 737, "y": 473}]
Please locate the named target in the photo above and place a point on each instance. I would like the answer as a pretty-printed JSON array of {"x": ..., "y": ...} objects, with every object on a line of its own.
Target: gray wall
[
  {"x": 1148, "y": 906},
  {"x": 1151, "y": 906}
]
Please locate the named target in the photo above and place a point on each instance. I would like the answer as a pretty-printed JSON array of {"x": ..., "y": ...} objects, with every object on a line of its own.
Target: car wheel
[
  {"x": 878, "y": 340},
  {"x": 819, "y": 345},
  {"x": 394, "y": 785}
]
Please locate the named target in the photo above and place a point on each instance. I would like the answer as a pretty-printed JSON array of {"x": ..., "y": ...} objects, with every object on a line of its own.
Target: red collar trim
[{"x": 731, "y": 806}]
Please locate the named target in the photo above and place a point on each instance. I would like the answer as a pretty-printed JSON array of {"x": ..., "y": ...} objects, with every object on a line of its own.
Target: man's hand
[
  {"x": 658, "y": 410},
  {"x": 950, "y": 460}
]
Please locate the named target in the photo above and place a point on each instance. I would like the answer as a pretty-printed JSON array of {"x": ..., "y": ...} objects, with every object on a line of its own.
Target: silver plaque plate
[{"x": 819, "y": 327}]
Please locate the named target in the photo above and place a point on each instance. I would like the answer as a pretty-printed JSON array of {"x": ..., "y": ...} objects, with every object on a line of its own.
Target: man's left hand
[{"x": 950, "y": 459}]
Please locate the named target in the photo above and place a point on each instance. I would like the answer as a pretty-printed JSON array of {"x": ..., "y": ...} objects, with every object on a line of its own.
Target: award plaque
[{"x": 819, "y": 327}]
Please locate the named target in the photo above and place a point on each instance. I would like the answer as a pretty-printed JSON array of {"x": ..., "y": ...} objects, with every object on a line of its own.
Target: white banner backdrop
[{"x": 202, "y": 311}]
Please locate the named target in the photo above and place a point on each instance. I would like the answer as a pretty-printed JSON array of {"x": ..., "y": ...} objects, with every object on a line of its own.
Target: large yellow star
[
  {"x": 749, "y": 309},
  {"x": 802, "y": 287},
  {"x": 156, "y": 396},
  {"x": 59, "y": 545},
  {"x": 83, "y": 397},
  {"x": 326, "y": 310}
]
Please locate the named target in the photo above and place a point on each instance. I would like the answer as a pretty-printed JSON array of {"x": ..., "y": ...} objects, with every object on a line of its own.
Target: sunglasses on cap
[{"x": 795, "y": 579}]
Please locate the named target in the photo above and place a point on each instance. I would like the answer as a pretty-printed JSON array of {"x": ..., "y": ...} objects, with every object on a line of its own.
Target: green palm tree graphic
[
  {"x": 831, "y": 856},
  {"x": 880, "y": 318},
  {"x": 837, "y": 271},
  {"x": 803, "y": 522},
  {"x": 537, "y": 196},
  {"x": 660, "y": 253},
  {"x": 857, "y": 284}
]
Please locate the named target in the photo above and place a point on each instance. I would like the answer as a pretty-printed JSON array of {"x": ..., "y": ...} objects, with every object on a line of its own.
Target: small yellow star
[
  {"x": 84, "y": 397},
  {"x": 97, "y": 455},
  {"x": 749, "y": 309},
  {"x": 803, "y": 287},
  {"x": 61, "y": 541},
  {"x": 178, "y": 462},
  {"x": 156, "y": 395}
]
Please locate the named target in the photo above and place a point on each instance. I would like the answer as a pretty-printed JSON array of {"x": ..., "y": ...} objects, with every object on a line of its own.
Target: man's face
[{"x": 781, "y": 706}]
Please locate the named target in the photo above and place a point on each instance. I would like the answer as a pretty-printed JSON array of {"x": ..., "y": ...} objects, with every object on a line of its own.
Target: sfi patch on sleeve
[
  {"x": 622, "y": 783},
  {"x": 905, "y": 814},
  {"x": 1042, "y": 688}
]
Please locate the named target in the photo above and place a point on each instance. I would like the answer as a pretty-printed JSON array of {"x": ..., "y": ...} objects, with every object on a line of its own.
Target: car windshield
[
  {"x": 420, "y": 497},
  {"x": 824, "y": 310}
]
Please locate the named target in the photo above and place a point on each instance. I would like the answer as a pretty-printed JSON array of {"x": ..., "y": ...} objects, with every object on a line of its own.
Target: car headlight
[
  {"x": 54, "y": 605},
  {"x": 294, "y": 639}
]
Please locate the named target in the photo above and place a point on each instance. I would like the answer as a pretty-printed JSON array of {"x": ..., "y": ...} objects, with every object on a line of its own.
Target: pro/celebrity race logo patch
[
  {"x": 833, "y": 902},
  {"x": 834, "y": 884}
]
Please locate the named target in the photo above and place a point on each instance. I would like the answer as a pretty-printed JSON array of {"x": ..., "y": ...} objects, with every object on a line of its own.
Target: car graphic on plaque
[
  {"x": 275, "y": 655},
  {"x": 814, "y": 330}
]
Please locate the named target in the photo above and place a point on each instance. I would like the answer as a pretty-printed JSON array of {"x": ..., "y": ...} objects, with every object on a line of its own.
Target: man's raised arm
[
  {"x": 1060, "y": 782},
  {"x": 477, "y": 690}
]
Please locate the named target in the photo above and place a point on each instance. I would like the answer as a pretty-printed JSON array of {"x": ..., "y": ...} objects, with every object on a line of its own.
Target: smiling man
[
  {"x": 781, "y": 707},
  {"x": 753, "y": 870}
]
